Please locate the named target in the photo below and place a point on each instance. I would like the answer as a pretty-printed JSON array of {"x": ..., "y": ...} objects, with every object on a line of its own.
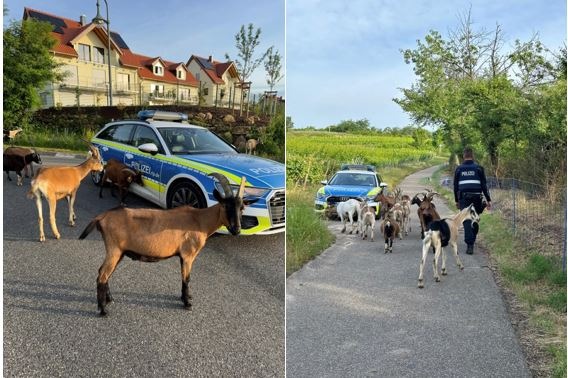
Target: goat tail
[
  {"x": 90, "y": 227},
  {"x": 33, "y": 190}
]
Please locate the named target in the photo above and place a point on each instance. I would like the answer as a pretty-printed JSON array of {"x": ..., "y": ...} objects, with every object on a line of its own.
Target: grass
[
  {"x": 53, "y": 140},
  {"x": 307, "y": 234},
  {"x": 538, "y": 283}
]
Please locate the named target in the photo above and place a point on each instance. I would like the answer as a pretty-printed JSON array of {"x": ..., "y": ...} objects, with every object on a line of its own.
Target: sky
[
  {"x": 176, "y": 29},
  {"x": 344, "y": 60}
]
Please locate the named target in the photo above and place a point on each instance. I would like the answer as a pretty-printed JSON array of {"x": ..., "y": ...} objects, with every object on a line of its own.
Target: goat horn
[
  {"x": 242, "y": 187},
  {"x": 128, "y": 170},
  {"x": 225, "y": 185}
]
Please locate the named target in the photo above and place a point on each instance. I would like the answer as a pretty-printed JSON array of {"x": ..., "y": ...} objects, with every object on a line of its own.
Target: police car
[
  {"x": 352, "y": 181},
  {"x": 175, "y": 159}
]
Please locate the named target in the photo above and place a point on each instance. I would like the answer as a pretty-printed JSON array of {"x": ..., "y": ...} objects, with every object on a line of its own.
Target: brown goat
[
  {"x": 56, "y": 183},
  {"x": 426, "y": 210},
  {"x": 390, "y": 229},
  {"x": 387, "y": 203},
  {"x": 120, "y": 175},
  {"x": 151, "y": 235}
]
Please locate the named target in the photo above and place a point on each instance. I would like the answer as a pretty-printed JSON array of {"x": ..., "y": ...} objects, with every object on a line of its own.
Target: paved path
[{"x": 356, "y": 312}]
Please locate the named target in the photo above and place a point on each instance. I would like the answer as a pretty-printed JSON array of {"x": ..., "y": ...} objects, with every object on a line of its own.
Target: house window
[
  {"x": 197, "y": 76},
  {"x": 205, "y": 91},
  {"x": 99, "y": 55},
  {"x": 158, "y": 70},
  {"x": 99, "y": 79},
  {"x": 123, "y": 82},
  {"x": 184, "y": 94},
  {"x": 180, "y": 75},
  {"x": 157, "y": 90},
  {"x": 84, "y": 52}
]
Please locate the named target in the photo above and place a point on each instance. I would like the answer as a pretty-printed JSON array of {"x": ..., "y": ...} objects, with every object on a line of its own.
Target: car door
[
  {"x": 113, "y": 141},
  {"x": 149, "y": 165}
]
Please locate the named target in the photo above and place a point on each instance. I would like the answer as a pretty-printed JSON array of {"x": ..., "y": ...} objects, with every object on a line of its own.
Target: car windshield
[
  {"x": 358, "y": 179},
  {"x": 183, "y": 141}
]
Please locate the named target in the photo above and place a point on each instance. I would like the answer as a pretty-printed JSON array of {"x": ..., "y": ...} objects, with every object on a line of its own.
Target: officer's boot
[{"x": 469, "y": 250}]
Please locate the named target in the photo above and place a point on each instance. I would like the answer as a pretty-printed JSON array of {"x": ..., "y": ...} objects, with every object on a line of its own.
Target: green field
[{"x": 312, "y": 156}]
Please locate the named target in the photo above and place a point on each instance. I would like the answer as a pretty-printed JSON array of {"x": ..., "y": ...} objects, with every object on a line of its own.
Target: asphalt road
[
  {"x": 51, "y": 323},
  {"x": 357, "y": 312}
]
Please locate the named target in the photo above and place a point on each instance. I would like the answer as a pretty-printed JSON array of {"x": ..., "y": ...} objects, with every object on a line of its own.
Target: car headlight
[
  {"x": 250, "y": 191},
  {"x": 321, "y": 194}
]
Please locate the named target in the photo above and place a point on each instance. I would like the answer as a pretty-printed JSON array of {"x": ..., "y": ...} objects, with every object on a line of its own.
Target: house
[
  {"x": 82, "y": 50},
  {"x": 220, "y": 82}
]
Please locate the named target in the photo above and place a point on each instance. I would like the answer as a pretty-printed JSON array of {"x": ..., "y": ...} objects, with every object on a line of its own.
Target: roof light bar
[
  {"x": 160, "y": 115},
  {"x": 362, "y": 167}
]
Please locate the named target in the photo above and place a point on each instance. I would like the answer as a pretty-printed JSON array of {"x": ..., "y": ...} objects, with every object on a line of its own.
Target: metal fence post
[
  {"x": 565, "y": 224},
  {"x": 514, "y": 207}
]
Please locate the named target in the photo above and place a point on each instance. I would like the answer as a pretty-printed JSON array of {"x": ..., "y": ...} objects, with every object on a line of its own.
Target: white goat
[
  {"x": 250, "y": 146},
  {"x": 367, "y": 221},
  {"x": 441, "y": 233},
  {"x": 346, "y": 210},
  {"x": 55, "y": 183},
  {"x": 405, "y": 203}
]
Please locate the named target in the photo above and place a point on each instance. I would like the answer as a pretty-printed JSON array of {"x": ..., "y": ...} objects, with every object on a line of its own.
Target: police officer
[{"x": 469, "y": 184}]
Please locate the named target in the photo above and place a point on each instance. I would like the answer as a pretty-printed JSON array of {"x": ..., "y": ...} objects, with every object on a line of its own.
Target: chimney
[
  {"x": 210, "y": 58},
  {"x": 83, "y": 20}
]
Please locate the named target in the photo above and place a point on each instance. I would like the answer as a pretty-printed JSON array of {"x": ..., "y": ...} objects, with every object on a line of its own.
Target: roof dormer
[{"x": 158, "y": 67}]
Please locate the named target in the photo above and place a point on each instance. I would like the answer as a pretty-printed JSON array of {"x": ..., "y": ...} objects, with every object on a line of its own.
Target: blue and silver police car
[
  {"x": 351, "y": 181},
  {"x": 175, "y": 159}
]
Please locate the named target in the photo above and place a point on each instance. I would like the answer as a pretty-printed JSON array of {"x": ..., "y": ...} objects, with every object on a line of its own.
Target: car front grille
[
  {"x": 278, "y": 208},
  {"x": 333, "y": 200}
]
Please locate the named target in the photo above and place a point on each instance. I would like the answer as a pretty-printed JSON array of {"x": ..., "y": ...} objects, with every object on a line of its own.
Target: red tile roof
[
  {"x": 66, "y": 30},
  {"x": 145, "y": 71}
]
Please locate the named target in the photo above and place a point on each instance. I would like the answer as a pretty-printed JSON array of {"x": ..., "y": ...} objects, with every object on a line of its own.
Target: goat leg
[
  {"x": 52, "y": 208},
  {"x": 456, "y": 255},
  {"x": 185, "y": 277},
  {"x": 102, "y": 297}
]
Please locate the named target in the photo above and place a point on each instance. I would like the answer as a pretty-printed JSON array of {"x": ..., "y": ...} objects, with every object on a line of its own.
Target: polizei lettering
[{"x": 468, "y": 173}]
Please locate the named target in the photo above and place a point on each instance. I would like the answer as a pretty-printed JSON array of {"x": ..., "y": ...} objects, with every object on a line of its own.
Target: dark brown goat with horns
[{"x": 153, "y": 234}]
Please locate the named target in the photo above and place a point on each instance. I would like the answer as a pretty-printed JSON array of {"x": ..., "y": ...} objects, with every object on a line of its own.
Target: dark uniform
[{"x": 469, "y": 185}]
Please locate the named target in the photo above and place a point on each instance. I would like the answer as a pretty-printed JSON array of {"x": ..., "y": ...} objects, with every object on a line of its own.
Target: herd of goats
[
  {"x": 146, "y": 235},
  {"x": 395, "y": 220}
]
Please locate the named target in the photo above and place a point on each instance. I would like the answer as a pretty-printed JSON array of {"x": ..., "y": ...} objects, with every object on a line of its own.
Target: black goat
[{"x": 16, "y": 163}]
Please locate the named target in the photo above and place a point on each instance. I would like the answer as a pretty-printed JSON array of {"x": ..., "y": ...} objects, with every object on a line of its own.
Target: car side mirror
[
  {"x": 323, "y": 182},
  {"x": 149, "y": 148},
  {"x": 383, "y": 185}
]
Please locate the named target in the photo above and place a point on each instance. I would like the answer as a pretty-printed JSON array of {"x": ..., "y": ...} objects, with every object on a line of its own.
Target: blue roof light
[{"x": 159, "y": 115}]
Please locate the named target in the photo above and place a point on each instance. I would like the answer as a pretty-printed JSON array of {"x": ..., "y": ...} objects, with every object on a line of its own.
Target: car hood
[
  {"x": 347, "y": 191},
  {"x": 259, "y": 172}
]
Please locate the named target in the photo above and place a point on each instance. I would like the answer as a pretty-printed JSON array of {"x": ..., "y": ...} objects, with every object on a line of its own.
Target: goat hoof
[
  {"x": 437, "y": 279},
  {"x": 444, "y": 273},
  {"x": 421, "y": 285},
  {"x": 103, "y": 313}
]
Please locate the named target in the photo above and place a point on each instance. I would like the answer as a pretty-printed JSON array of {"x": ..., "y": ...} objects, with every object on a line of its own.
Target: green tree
[
  {"x": 273, "y": 67},
  {"x": 28, "y": 67},
  {"x": 477, "y": 93},
  {"x": 247, "y": 40}
]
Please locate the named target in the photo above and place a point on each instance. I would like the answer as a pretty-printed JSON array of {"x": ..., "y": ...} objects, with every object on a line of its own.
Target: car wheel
[
  {"x": 97, "y": 177},
  {"x": 186, "y": 193}
]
